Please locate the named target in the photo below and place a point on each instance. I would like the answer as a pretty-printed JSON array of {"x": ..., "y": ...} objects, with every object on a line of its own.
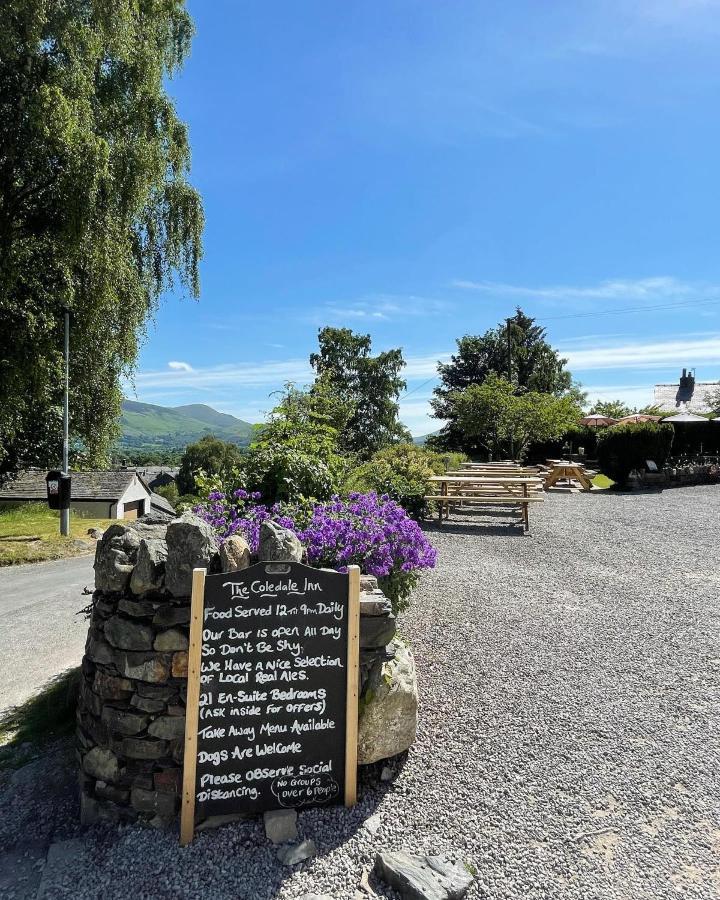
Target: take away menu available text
[{"x": 272, "y": 710}]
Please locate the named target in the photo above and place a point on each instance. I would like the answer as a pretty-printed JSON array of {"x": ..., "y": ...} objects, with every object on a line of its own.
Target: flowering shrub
[
  {"x": 372, "y": 532},
  {"x": 240, "y": 513}
]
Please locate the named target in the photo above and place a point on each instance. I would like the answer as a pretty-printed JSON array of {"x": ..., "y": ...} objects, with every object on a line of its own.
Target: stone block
[
  {"x": 109, "y": 792},
  {"x": 137, "y": 609},
  {"x": 169, "y": 728},
  {"x": 172, "y": 615},
  {"x": 124, "y": 721},
  {"x": 168, "y": 781},
  {"x": 191, "y": 543},
  {"x": 146, "y": 667},
  {"x": 180, "y": 664},
  {"x": 376, "y": 631},
  {"x": 143, "y": 748},
  {"x": 368, "y": 583},
  {"x": 172, "y": 639},
  {"x": 388, "y": 713},
  {"x": 90, "y": 700},
  {"x": 110, "y": 687},
  {"x": 153, "y": 802},
  {"x": 102, "y": 764},
  {"x": 155, "y": 691},
  {"x": 99, "y": 651},
  {"x": 374, "y": 604},
  {"x": 128, "y": 635},
  {"x": 292, "y": 855},
  {"x": 278, "y": 544},
  {"x": 149, "y": 572},
  {"x": 281, "y": 825},
  {"x": 147, "y": 704},
  {"x": 423, "y": 877},
  {"x": 234, "y": 554}
]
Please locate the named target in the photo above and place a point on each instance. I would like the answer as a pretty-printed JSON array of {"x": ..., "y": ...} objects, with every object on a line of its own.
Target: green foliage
[
  {"x": 188, "y": 501},
  {"x": 359, "y": 391},
  {"x": 570, "y": 441},
  {"x": 494, "y": 420},
  {"x": 170, "y": 492},
  {"x": 623, "y": 448},
  {"x": 96, "y": 213},
  {"x": 398, "y": 587},
  {"x": 211, "y": 456},
  {"x": 613, "y": 409},
  {"x": 146, "y": 457},
  {"x": 294, "y": 455},
  {"x": 401, "y": 472},
  {"x": 517, "y": 351},
  {"x": 48, "y": 714}
]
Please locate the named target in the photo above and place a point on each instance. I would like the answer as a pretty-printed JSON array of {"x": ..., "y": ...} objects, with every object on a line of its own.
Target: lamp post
[
  {"x": 65, "y": 509},
  {"x": 509, "y": 366}
]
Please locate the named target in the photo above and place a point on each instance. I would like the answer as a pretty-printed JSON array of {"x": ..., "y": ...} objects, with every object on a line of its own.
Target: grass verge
[
  {"x": 31, "y": 533},
  {"x": 47, "y": 715}
]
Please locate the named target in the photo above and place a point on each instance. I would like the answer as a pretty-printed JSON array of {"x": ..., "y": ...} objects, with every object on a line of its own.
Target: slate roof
[
  {"x": 162, "y": 504},
  {"x": 673, "y": 398},
  {"x": 30, "y": 485}
]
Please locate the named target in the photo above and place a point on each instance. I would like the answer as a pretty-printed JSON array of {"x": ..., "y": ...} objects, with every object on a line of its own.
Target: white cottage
[{"x": 101, "y": 495}]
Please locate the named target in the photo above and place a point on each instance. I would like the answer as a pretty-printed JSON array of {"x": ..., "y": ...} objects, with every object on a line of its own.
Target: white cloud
[
  {"x": 178, "y": 366},
  {"x": 383, "y": 306},
  {"x": 688, "y": 351},
  {"x": 260, "y": 374},
  {"x": 661, "y": 287}
]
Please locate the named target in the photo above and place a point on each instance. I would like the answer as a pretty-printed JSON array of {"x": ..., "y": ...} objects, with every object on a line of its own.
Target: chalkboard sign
[{"x": 271, "y": 718}]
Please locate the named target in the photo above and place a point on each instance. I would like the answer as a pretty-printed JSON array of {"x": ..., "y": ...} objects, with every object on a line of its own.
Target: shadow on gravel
[
  {"x": 475, "y": 528},
  {"x": 39, "y": 806}
]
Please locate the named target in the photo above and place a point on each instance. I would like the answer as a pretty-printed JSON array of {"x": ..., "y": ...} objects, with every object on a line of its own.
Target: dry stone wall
[{"x": 131, "y": 707}]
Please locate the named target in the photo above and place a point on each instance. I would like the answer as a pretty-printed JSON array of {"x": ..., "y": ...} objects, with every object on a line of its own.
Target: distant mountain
[
  {"x": 422, "y": 438},
  {"x": 147, "y": 426}
]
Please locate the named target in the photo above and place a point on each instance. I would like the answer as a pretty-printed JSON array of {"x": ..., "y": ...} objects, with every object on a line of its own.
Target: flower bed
[{"x": 372, "y": 532}]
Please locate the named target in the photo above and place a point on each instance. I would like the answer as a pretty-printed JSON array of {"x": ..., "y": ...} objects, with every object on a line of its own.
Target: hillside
[{"x": 147, "y": 426}]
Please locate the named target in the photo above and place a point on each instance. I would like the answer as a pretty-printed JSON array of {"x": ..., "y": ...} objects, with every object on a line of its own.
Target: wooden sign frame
[{"x": 192, "y": 709}]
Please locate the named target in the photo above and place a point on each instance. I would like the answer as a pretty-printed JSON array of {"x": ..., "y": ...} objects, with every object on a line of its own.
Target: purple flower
[{"x": 372, "y": 532}]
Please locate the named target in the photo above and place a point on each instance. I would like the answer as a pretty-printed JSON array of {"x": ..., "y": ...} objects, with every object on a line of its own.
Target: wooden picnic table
[
  {"x": 484, "y": 489},
  {"x": 567, "y": 470}
]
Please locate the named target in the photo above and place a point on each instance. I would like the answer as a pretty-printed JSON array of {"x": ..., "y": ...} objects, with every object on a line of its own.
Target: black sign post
[{"x": 272, "y": 702}]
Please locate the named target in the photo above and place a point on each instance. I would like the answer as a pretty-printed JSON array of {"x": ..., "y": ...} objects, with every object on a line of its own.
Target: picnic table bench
[
  {"x": 565, "y": 470},
  {"x": 486, "y": 490}
]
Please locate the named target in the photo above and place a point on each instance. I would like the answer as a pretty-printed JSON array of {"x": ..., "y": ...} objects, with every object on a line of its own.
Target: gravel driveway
[{"x": 568, "y": 744}]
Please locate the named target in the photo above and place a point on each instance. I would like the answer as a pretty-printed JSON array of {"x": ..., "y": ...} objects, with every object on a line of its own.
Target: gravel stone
[{"x": 567, "y": 746}]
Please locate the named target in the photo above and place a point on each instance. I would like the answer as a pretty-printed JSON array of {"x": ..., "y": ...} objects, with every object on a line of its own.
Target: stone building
[
  {"x": 102, "y": 495},
  {"x": 687, "y": 395}
]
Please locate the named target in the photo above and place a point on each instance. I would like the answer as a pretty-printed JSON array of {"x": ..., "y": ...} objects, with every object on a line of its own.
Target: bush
[
  {"x": 211, "y": 456},
  {"x": 287, "y": 473},
  {"x": 623, "y": 448},
  {"x": 401, "y": 472},
  {"x": 170, "y": 492},
  {"x": 372, "y": 532}
]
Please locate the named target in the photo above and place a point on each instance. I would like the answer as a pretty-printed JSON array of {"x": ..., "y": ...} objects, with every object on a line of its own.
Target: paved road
[{"x": 40, "y": 633}]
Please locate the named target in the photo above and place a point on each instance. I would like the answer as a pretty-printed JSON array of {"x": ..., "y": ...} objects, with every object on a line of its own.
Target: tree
[
  {"x": 360, "y": 391},
  {"x": 211, "y": 456},
  {"x": 613, "y": 409},
  {"x": 713, "y": 398},
  {"x": 400, "y": 471},
  {"x": 294, "y": 455},
  {"x": 492, "y": 418},
  {"x": 96, "y": 213},
  {"x": 518, "y": 352}
]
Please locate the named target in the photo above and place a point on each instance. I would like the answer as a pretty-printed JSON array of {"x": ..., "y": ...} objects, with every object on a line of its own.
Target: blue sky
[{"x": 417, "y": 168}]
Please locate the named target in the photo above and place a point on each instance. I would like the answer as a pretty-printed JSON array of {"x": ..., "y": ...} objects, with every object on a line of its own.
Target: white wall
[{"x": 135, "y": 491}]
